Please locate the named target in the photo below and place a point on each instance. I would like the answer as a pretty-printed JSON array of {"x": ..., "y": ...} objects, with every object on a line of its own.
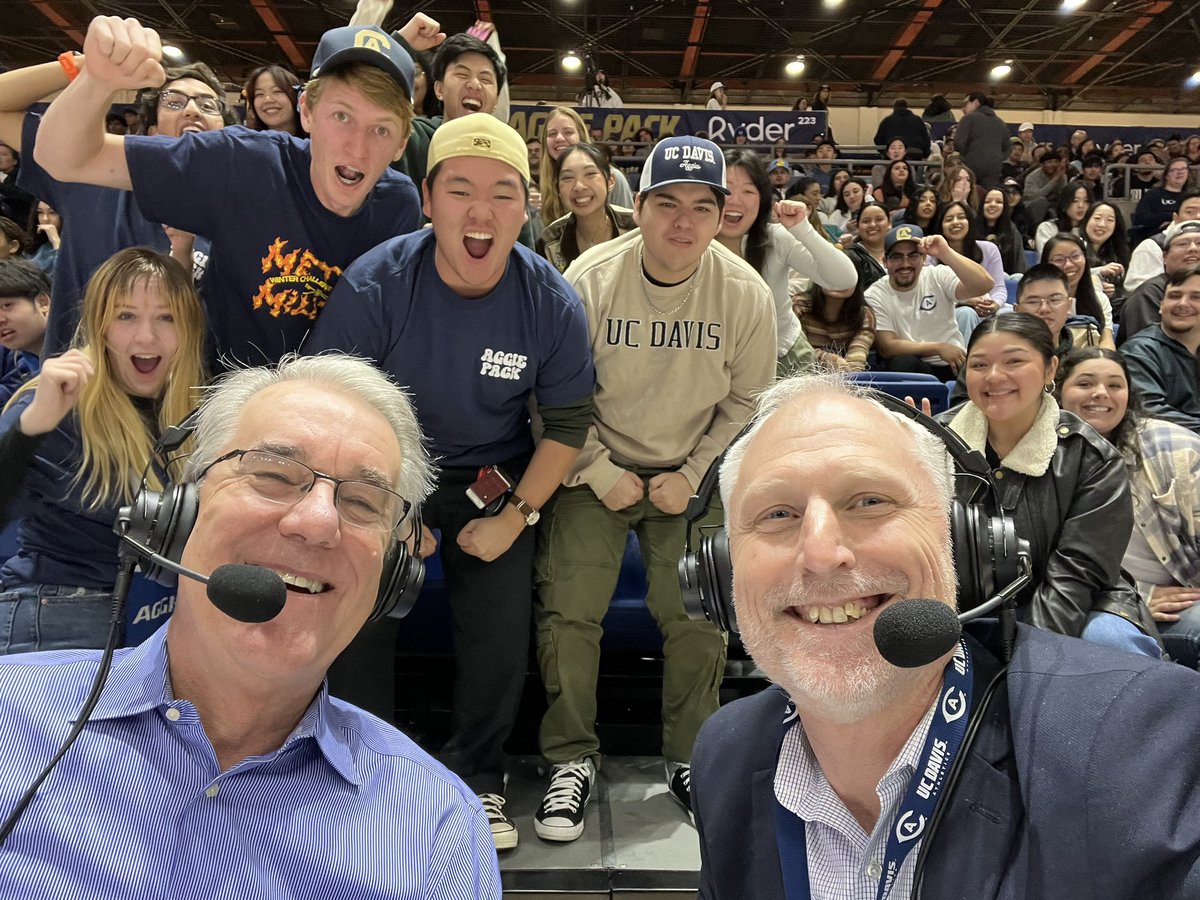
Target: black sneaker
[
  {"x": 679, "y": 783},
  {"x": 504, "y": 832},
  {"x": 560, "y": 817}
]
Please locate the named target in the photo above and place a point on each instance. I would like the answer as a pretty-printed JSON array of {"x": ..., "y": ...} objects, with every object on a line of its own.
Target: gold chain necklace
[{"x": 646, "y": 293}]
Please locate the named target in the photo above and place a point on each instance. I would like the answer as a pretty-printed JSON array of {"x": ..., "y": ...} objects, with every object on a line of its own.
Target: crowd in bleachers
[{"x": 1001, "y": 268}]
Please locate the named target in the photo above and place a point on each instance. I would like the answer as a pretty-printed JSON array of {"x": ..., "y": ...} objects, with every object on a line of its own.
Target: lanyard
[{"x": 945, "y": 736}]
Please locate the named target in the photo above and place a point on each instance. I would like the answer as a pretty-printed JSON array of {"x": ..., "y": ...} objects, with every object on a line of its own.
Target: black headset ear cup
[
  {"x": 717, "y": 576},
  {"x": 985, "y": 553},
  {"x": 400, "y": 583},
  {"x": 968, "y": 557},
  {"x": 162, "y": 522},
  {"x": 689, "y": 585}
]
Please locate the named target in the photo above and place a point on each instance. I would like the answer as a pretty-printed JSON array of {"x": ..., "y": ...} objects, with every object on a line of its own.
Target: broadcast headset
[
  {"x": 987, "y": 551},
  {"x": 993, "y": 565},
  {"x": 159, "y": 523}
]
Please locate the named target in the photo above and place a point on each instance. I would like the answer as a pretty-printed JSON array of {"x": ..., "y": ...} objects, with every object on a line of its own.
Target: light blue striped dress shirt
[{"x": 348, "y": 807}]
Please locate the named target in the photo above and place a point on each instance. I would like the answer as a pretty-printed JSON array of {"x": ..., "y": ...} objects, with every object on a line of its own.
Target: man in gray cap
[
  {"x": 285, "y": 215},
  {"x": 1181, "y": 250}
]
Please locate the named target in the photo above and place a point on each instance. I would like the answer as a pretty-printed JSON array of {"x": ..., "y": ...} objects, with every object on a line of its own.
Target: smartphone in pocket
[{"x": 490, "y": 485}]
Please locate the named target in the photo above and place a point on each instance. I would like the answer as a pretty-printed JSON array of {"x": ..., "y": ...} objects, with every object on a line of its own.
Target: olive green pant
[{"x": 580, "y": 548}]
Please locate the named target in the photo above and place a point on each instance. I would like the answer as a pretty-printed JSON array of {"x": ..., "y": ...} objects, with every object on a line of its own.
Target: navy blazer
[{"x": 1083, "y": 781}]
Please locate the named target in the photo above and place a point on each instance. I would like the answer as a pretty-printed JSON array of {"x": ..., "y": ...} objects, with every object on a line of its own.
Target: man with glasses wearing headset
[
  {"x": 286, "y": 215},
  {"x": 216, "y": 762}
]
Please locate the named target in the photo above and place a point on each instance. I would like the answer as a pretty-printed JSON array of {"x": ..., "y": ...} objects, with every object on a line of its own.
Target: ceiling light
[
  {"x": 795, "y": 66},
  {"x": 1001, "y": 70},
  {"x": 571, "y": 61},
  {"x": 172, "y": 52},
  {"x": 1193, "y": 80},
  {"x": 1071, "y": 5}
]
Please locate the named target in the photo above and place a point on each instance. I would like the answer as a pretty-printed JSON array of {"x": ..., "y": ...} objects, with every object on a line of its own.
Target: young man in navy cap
[
  {"x": 683, "y": 334},
  {"x": 473, "y": 325},
  {"x": 915, "y": 325},
  {"x": 285, "y": 215}
]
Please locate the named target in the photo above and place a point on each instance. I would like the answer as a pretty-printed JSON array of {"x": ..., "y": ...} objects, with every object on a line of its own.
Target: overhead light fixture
[
  {"x": 795, "y": 66},
  {"x": 1193, "y": 80},
  {"x": 170, "y": 51},
  {"x": 1071, "y": 5},
  {"x": 1001, "y": 70},
  {"x": 571, "y": 61},
  {"x": 833, "y": 4}
]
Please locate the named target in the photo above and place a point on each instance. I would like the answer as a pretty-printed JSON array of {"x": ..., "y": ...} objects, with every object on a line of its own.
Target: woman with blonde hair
[
  {"x": 563, "y": 130},
  {"x": 79, "y": 437}
]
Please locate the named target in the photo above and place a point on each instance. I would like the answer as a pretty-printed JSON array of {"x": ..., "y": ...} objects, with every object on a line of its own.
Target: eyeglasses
[
  {"x": 1076, "y": 257},
  {"x": 283, "y": 480},
  {"x": 177, "y": 100},
  {"x": 904, "y": 257},
  {"x": 1054, "y": 300}
]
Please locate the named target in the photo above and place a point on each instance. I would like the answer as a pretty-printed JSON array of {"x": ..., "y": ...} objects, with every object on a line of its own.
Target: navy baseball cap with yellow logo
[
  {"x": 900, "y": 234},
  {"x": 682, "y": 159},
  {"x": 364, "y": 44}
]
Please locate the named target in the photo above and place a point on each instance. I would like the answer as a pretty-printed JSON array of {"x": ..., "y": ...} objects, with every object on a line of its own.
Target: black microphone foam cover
[
  {"x": 247, "y": 593},
  {"x": 913, "y": 633}
]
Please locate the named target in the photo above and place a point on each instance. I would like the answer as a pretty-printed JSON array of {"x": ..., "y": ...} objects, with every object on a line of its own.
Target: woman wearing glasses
[
  {"x": 1069, "y": 253},
  {"x": 79, "y": 437}
]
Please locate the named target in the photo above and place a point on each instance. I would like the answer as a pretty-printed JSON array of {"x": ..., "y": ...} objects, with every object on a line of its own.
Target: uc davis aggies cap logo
[
  {"x": 372, "y": 40},
  {"x": 904, "y": 233}
]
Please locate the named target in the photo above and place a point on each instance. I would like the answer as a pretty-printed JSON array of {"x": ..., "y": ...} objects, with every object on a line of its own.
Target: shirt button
[
  {"x": 998, "y": 473},
  {"x": 172, "y": 714},
  {"x": 874, "y": 870},
  {"x": 212, "y": 790}
]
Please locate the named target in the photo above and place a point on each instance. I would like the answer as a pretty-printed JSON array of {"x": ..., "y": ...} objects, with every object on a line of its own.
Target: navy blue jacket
[{"x": 1083, "y": 782}]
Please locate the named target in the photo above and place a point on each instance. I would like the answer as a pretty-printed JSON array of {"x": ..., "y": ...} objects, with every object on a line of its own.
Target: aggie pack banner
[{"x": 619, "y": 125}]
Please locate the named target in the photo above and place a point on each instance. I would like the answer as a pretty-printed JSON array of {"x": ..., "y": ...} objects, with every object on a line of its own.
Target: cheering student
[{"x": 79, "y": 436}]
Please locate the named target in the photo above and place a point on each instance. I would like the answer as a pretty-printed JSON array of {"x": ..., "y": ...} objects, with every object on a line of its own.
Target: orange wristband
[{"x": 67, "y": 61}]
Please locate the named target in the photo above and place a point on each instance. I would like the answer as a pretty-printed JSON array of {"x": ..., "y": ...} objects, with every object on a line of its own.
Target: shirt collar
[
  {"x": 802, "y": 788},
  {"x": 140, "y": 681}
]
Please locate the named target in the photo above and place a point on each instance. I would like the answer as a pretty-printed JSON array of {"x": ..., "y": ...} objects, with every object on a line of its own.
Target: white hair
[
  {"x": 932, "y": 454},
  {"x": 226, "y": 398}
]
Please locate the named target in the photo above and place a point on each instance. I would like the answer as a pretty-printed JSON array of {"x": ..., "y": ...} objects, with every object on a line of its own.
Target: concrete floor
[{"x": 638, "y": 842}]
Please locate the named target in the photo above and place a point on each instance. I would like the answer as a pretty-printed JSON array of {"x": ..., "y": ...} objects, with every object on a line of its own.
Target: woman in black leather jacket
[{"x": 1065, "y": 487}]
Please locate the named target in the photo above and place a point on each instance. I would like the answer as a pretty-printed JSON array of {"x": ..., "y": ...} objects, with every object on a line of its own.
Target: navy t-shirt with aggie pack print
[{"x": 470, "y": 364}]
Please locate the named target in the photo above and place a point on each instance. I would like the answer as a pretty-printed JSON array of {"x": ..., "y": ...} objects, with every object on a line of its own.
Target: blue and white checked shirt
[
  {"x": 844, "y": 862},
  {"x": 348, "y": 807}
]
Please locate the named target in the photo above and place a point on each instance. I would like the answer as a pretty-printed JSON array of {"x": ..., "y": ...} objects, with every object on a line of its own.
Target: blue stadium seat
[
  {"x": 628, "y": 626},
  {"x": 884, "y": 377},
  {"x": 1031, "y": 257},
  {"x": 907, "y": 384},
  {"x": 1010, "y": 285}
]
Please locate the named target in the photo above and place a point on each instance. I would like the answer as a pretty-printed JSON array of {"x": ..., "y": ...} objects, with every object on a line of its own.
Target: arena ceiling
[{"x": 1123, "y": 55}]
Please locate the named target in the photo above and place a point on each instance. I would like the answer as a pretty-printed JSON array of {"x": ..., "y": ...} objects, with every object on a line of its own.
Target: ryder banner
[{"x": 621, "y": 125}]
